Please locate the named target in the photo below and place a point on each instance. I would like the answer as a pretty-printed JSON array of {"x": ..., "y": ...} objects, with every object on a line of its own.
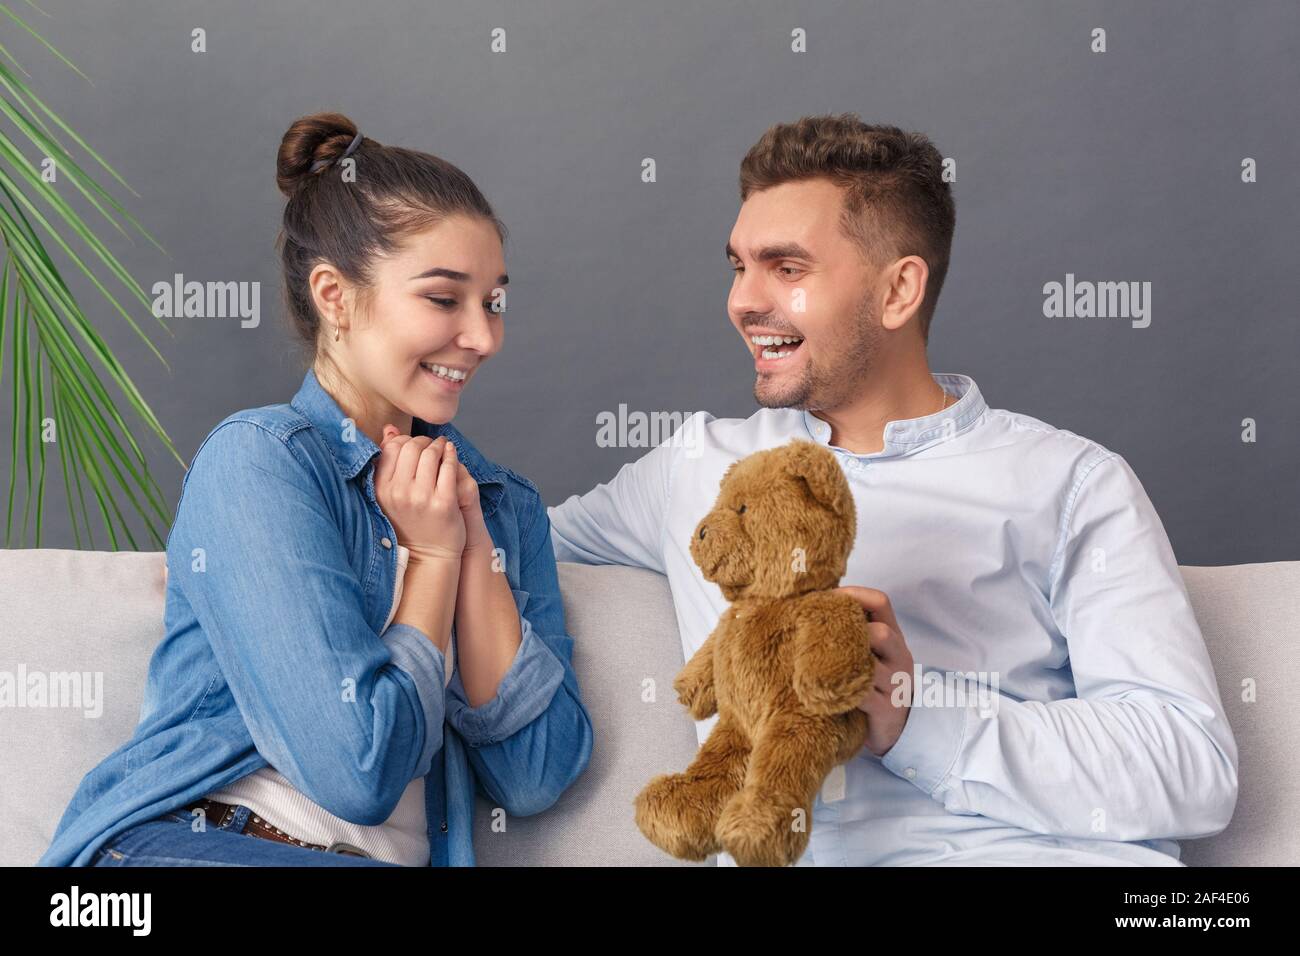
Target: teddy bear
[{"x": 784, "y": 669}]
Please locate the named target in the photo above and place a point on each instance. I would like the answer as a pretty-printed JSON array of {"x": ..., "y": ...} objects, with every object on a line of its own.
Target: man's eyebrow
[
  {"x": 784, "y": 250},
  {"x": 454, "y": 276}
]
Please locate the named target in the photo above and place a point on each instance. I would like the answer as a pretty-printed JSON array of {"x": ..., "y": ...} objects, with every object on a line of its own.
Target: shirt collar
[
  {"x": 908, "y": 435},
  {"x": 351, "y": 454}
]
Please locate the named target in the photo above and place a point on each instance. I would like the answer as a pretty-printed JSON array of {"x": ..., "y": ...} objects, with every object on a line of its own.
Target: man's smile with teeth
[
  {"x": 773, "y": 345},
  {"x": 442, "y": 371}
]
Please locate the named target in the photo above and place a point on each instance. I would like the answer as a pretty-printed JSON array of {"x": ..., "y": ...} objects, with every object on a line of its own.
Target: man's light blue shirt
[{"x": 1068, "y": 712}]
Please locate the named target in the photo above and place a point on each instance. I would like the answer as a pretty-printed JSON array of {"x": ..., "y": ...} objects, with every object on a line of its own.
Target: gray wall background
[{"x": 1116, "y": 166}]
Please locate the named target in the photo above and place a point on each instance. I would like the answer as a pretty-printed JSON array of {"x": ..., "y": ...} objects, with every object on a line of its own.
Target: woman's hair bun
[
  {"x": 328, "y": 219},
  {"x": 310, "y": 139}
]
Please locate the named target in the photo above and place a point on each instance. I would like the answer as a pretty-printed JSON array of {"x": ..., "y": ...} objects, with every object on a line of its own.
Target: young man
[{"x": 1078, "y": 720}]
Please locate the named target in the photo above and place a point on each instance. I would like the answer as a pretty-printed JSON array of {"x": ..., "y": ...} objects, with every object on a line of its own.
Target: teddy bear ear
[{"x": 818, "y": 469}]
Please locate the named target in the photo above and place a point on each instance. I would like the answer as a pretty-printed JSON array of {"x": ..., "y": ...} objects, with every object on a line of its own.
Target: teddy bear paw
[
  {"x": 672, "y": 816},
  {"x": 761, "y": 830}
]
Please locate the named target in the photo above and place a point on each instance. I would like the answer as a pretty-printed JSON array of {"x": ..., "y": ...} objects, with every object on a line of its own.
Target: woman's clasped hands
[{"x": 429, "y": 496}]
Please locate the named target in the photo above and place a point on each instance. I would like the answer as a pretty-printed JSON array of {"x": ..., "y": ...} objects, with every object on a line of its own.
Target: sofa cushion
[
  {"x": 92, "y": 613},
  {"x": 1248, "y": 615},
  {"x": 625, "y": 640},
  {"x": 99, "y": 613}
]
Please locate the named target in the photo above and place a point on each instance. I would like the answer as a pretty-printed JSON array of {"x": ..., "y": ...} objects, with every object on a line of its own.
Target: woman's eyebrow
[{"x": 454, "y": 276}]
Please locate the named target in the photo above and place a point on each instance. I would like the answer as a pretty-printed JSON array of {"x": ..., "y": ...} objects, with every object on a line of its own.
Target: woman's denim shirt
[{"x": 281, "y": 569}]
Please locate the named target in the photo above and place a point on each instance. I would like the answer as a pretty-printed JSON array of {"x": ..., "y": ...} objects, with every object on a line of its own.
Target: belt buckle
[{"x": 346, "y": 848}]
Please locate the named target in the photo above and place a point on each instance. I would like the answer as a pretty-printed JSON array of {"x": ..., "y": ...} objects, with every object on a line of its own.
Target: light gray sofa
[{"x": 101, "y": 612}]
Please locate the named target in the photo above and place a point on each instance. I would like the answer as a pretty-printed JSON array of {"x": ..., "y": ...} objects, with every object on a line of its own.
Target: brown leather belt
[{"x": 219, "y": 814}]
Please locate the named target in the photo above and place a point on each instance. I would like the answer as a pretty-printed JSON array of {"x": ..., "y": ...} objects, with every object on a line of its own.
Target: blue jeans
[{"x": 169, "y": 840}]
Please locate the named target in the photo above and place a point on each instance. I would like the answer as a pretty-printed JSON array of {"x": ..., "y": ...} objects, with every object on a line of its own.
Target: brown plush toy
[{"x": 785, "y": 669}]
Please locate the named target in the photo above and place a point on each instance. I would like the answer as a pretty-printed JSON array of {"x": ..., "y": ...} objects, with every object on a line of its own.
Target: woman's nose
[{"x": 476, "y": 334}]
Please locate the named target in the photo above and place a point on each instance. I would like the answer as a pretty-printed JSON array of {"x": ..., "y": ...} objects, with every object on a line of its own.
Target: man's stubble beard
[{"x": 829, "y": 387}]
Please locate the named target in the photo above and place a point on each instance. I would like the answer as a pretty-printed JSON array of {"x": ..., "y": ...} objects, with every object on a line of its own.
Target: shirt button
[
  {"x": 444, "y": 826},
  {"x": 385, "y": 542},
  {"x": 909, "y": 773}
]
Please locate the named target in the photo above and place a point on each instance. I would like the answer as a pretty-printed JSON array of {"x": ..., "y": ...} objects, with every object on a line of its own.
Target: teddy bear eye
[{"x": 740, "y": 510}]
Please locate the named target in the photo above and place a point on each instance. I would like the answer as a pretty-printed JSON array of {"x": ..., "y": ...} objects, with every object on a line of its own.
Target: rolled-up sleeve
[
  {"x": 534, "y": 738},
  {"x": 350, "y": 717},
  {"x": 414, "y": 652},
  {"x": 522, "y": 695}
]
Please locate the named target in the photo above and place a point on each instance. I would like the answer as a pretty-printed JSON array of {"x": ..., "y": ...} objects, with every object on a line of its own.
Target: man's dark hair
[{"x": 896, "y": 201}]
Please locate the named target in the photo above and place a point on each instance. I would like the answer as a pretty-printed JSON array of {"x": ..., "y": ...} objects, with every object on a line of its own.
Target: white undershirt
[{"x": 403, "y": 838}]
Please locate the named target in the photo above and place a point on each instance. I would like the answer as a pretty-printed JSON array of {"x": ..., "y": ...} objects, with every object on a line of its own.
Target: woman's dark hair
[{"x": 349, "y": 222}]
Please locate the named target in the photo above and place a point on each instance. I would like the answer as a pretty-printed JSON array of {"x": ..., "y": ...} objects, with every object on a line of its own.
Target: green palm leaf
[{"x": 57, "y": 359}]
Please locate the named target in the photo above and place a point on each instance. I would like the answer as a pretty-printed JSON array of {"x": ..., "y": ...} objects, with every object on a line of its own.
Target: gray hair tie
[{"x": 322, "y": 163}]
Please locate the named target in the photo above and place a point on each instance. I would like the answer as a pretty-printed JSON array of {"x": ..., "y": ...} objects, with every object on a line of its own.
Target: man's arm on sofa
[
  {"x": 1144, "y": 751},
  {"x": 620, "y": 521}
]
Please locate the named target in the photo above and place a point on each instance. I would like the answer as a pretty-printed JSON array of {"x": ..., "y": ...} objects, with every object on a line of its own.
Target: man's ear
[{"x": 821, "y": 473}]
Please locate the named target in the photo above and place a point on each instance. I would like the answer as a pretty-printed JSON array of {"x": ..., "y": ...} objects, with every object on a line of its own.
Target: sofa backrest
[
  {"x": 626, "y": 652},
  {"x": 93, "y": 613},
  {"x": 100, "y": 614},
  {"x": 1248, "y": 615}
]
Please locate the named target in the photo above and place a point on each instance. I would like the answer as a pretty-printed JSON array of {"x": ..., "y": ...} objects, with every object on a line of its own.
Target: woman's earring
[{"x": 336, "y": 331}]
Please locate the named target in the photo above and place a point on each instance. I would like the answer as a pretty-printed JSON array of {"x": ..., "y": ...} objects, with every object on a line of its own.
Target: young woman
[{"x": 362, "y": 618}]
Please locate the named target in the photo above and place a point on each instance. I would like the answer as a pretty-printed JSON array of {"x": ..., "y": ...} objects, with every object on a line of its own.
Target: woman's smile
[{"x": 448, "y": 377}]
